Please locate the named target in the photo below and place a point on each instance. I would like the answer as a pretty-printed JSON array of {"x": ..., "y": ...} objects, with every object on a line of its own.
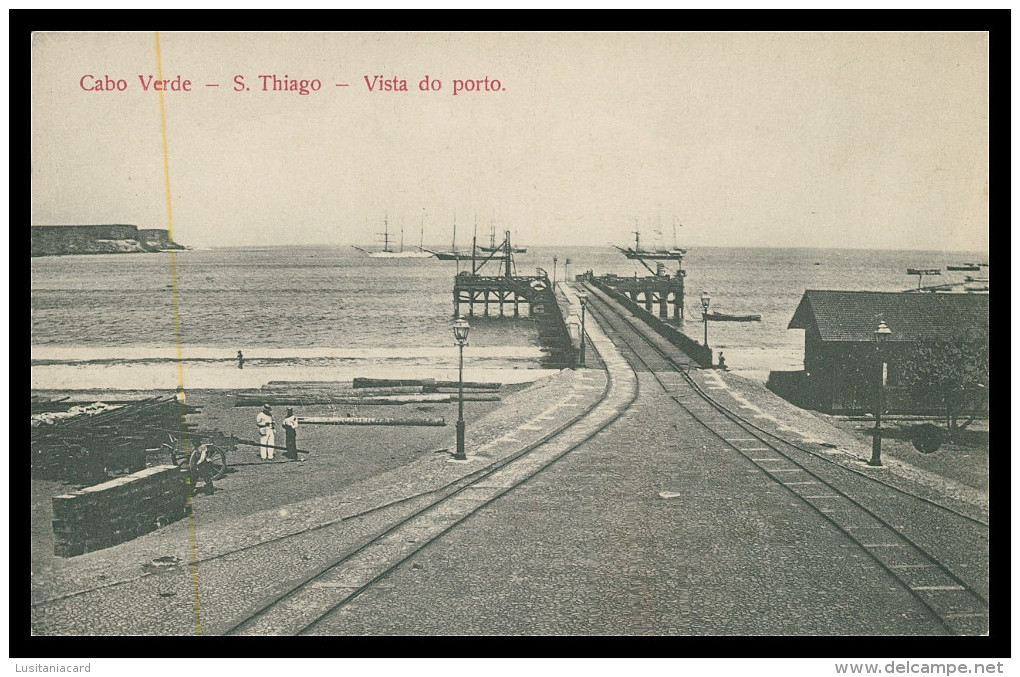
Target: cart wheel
[
  {"x": 218, "y": 458},
  {"x": 215, "y": 457}
]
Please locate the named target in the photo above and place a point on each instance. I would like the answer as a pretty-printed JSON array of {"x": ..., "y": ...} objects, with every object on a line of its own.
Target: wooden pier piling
[{"x": 664, "y": 290}]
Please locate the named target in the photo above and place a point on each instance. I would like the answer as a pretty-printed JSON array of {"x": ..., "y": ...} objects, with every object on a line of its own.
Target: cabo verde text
[{"x": 287, "y": 84}]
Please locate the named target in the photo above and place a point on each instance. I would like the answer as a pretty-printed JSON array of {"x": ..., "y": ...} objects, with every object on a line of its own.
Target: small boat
[
  {"x": 970, "y": 267},
  {"x": 723, "y": 317}
]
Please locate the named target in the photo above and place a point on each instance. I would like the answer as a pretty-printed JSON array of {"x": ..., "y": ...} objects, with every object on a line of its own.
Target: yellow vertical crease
[{"x": 177, "y": 336}]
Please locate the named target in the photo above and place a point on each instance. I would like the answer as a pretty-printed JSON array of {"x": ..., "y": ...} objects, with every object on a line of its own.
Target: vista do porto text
[{"x": 273, "y": 83}]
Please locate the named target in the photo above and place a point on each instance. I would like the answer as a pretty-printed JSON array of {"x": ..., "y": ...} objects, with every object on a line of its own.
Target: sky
[{"x": 841, "y": 140}]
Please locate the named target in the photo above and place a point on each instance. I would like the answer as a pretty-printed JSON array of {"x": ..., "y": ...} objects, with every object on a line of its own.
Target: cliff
[{"x": 104, "y": 239}]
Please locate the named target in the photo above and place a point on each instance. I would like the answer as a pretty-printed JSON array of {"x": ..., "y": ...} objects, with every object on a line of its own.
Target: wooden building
[{"x": 840, "y": 352}]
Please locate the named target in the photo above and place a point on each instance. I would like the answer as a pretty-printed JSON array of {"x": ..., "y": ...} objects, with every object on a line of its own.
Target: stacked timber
[
  {"x": 366, "y": 392},
  {"x": 427, "y": 384},
  {"x": 118, "y": 510},
  {"x": 307, "y": 398},
  {"x": 47, "y": 404},
  {"x": 366, "y": 420},
  {"x": 80, "y": 448}
]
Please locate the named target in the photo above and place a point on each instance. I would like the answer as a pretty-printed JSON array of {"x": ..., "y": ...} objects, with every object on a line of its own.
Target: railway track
[
  {"x": 410, "y": 504},
  {"x": 302, "y": 607},
  {"x": 867, "y": 511}
]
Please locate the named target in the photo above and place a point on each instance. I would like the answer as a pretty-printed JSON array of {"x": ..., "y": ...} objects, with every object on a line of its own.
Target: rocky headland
[{"x": 99, "y": 239}]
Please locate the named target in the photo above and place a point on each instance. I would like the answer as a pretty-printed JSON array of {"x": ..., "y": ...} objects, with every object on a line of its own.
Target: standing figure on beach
[
  {"x": 722, "y": 361},
  {"x": 290, "y": 430},
  {"x": 240, "y": 360},
  {"x": 267, "y": 433}
]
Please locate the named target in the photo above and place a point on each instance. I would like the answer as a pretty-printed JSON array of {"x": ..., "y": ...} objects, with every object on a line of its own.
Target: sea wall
[{"x": 99, "y": 239}]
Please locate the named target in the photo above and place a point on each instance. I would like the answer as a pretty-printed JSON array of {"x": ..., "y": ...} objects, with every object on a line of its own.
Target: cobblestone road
[
  {"x": 590, "y": 547},
  {"x": 652, "y": 527}
]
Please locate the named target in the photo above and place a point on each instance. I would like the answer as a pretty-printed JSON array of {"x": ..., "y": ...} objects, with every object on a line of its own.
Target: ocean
[{"x": 331, "y": 313}]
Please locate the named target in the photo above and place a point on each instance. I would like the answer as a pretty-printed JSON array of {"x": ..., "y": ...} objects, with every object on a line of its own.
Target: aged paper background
[
  {"x": 827, "y": 140},
  {"x": 860, "y": 140}
]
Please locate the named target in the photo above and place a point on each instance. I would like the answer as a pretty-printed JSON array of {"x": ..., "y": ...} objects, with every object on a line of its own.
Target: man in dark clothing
[{"x": 290, "y": 425}]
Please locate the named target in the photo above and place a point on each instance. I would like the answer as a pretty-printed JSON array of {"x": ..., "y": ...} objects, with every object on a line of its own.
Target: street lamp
[
  {"x": 882, "y": 334},
  {"x": 705, "y": 300},
  {"x": 584, "y": 304},
  {"x": 460, "y": 333}
]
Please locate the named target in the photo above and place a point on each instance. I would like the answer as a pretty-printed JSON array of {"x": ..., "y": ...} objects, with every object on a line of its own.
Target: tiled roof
[{"x": 854, "y": 315}]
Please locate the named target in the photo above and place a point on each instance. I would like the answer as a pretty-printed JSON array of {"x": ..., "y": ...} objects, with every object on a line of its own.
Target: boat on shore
[
  {"x": 387, "y": 253},
  {"x": 724, "y": 317}
]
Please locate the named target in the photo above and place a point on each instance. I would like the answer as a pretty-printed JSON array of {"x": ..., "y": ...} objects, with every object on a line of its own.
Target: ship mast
[{"x": 386, "y": 233}]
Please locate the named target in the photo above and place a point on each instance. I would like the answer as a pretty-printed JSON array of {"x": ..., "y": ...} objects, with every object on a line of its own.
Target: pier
[
  {"x": 640, "y": 301},
  {"x": 660, "y": 289},
  {"x": 508, "y": 290}
]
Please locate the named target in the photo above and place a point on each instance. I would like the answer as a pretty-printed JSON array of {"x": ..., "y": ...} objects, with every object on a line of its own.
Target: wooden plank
[
  {"x": 362, "y": 420},
  {"x": 426, "y": 383},
  {"x": 300, "y": 399},
  {"x": 360, "y": 382},
  {"x": 277, "y": 390}
]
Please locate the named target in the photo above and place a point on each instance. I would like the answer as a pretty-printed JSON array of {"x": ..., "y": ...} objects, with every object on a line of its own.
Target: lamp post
[
  {"x": 584, "y": 304},
  {"x": 460, "y": 334},
  {"x": 705, "y": 300},
  {"x": 882, "y": 334}
]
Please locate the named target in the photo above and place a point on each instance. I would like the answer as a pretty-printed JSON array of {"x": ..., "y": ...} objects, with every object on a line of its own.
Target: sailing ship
[
  {"x": 387, "y": 253},
  {"x": 674, "y": 254},
  {"x": 493, "y": 247},
  {"x": 453, "y": 254}
]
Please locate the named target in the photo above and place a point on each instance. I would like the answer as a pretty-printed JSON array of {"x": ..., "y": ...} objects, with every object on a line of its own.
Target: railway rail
[
  {"x": 863, "y": 508},
  {"x": 301, "y": 607},
  {"x": 427, "y": 497}
]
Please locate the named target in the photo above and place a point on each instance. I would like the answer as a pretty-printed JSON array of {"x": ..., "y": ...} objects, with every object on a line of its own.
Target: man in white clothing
[{"x": 267, "y": 434}]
